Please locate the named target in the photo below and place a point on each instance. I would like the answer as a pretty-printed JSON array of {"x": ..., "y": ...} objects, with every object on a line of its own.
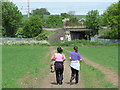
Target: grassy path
[
  {"x": 110, "y": 76},
  {"x": 50, "y": 80}
]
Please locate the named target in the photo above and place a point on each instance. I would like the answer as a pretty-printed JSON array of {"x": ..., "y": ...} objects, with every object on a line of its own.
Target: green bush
[
  {"x": 19, "y": 33},
  {"x": 20, "y": 43},
  {"x": 54, "y": 21},
  {"x": 82, "y": 43},
  {"x": 42, "y": 36},
  {"x": 104, "y": 33},
  {"x": 32, "y": 27}
]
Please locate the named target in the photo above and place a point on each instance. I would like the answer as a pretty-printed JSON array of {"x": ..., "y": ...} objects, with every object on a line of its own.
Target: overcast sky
[{"x": 65, "y": 0}]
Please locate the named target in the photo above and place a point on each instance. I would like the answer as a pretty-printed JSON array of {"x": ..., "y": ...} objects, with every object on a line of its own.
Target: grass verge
[
  {"x": 91, "y": 77},
  {"x": 17, "y": 61},
  {"x": 105, "y": 56}
]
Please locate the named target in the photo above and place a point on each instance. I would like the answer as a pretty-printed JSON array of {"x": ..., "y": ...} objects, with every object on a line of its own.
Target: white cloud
[{"x": 64, "y": 0}]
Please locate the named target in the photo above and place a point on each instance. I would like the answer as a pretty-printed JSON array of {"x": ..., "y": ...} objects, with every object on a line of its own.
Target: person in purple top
[{"x": 75, "y": 57}]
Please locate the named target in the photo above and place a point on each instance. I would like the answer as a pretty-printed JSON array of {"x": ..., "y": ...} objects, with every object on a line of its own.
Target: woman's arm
[
  {"x": 80, "y": 57},
  {"x": 64, "y": 58},
  {"x": 80, "y": 60},
  {"x": 53, "y": 58}
]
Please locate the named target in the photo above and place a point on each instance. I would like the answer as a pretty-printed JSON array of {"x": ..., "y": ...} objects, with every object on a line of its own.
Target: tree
[
  {"x": 54, "y": 21},
  {"x": 111, "y": 16},
  {"x": 11, "y": 18},
  {"x": 32, "y": 27},
  {"x": 41, "y": 12},
  {"x": 64, "y": 15},
  {"x": 92, "y": 21}
]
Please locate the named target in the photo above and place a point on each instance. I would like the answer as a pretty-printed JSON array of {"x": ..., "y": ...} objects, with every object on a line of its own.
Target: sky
[{"x": 64, "y": 0}]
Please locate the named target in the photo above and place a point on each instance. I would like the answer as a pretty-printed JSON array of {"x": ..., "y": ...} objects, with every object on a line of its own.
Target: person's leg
[
  {"x": 61, "y": 76},
  {"x": 77, "y": 76},
  {"x": 72, "y": 74},
  {"x": 57, "y": 76}
]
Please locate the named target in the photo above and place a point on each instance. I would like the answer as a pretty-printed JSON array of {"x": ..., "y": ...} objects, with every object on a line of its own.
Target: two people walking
[{"x": 59, "y": 59}]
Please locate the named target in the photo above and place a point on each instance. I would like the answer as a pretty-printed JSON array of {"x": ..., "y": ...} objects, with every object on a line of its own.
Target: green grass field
[
  {"x": 17, "y": 61},
  {"x": 105, "y": 56},
  {"x": 91, "y": 77}
]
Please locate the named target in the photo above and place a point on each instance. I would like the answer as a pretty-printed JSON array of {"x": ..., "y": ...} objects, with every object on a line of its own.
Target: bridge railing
[{"x": 67, "y": 27}]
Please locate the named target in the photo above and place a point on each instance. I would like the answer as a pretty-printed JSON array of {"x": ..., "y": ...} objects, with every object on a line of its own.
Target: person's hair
[
  {"x": 76, "y": 48},
  {"x": 59, "y": 49}
]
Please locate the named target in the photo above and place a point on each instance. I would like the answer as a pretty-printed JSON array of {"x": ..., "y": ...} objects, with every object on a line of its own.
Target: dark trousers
[
  {"x": 59, "y": 75},
  {"x": 75, "y": 72},
  {"x": 59, "y": 71}
]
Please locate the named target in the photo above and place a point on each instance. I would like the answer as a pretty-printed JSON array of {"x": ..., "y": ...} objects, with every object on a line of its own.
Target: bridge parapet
[{"x": 74, "y": 27}]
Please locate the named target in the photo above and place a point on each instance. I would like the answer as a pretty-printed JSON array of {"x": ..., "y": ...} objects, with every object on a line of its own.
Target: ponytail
[{"x": 76, "y": 48}]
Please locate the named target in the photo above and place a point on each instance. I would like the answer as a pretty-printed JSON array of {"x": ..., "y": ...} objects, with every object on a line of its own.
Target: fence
[
  {"x": 95, "y": 39},
  {"x": 16, "y": 39}
]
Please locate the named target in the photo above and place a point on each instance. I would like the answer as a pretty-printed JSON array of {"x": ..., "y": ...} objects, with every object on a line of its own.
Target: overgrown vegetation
[
  {"x": 82, "y": 43},
  {"x": 11, "y": 19},
  {"x": 92, "y": 21},
  {"x": 111, "y": 18},
  {"x": 15, "y": 26},
  {"x": 32, "y": 27}
]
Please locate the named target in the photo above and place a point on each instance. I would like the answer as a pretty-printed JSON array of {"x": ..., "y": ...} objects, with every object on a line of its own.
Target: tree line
[{"x": 14, "y": 26}]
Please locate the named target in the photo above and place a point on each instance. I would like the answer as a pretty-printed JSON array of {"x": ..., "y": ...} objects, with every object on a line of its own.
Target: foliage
[
  {"x": 22, "y": 43},
  {"x": 54, "y": 21},
  {"x": 42, "y": 36},
  {"x": 104, "y": 33},
  {"x": 80, "y": 43},
  {"x": 11, "y": 18},
  {"x": 32, "y": 27},
  {"x": 111, "y": 17},
  {"x": 19, "y": 33},
  {"x": 41, "y": 12},
  {"x": 73, "y": 21},
  {"x": 64, "y": 15},
  {"x": 92, "y": 21}
]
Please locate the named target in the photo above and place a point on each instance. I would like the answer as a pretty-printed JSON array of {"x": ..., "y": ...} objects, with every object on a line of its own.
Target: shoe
[
  {"x": 60, "y": 82},
  {"x": 76, "y": 83},
  {"x": 57, "y": 83},
  {"x": 71, "y": 79}
]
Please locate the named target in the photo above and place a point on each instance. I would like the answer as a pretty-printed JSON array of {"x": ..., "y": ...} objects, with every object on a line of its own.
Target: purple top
[{"x": 75, "y": 56}]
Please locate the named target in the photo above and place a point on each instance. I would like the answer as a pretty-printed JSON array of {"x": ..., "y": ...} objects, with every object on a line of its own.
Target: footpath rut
[{"x": 110, "y": 76}]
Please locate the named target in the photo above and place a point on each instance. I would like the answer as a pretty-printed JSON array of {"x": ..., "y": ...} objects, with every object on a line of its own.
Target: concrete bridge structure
[{"x": 69, "y": 33}]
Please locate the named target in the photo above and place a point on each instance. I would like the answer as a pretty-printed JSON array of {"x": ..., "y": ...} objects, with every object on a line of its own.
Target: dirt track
[{"x": 50, "y": 80}]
